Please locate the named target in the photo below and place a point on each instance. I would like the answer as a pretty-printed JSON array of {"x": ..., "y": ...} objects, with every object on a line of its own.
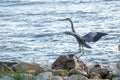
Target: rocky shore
[{"x": 65, "y": 67}]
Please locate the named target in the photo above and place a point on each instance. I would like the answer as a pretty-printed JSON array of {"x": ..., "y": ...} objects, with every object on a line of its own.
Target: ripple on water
[{"x": 30, "y": 30}]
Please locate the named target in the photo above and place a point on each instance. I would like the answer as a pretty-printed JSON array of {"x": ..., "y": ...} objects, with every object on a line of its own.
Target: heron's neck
[{"x": 72, "y": 26}]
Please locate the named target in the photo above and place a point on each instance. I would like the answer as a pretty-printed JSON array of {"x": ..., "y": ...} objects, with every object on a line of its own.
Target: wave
[{"x": 46, "y": 35}]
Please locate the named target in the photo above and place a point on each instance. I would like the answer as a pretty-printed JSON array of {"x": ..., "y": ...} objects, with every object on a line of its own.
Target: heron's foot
[{"x": 81, "y": 54}]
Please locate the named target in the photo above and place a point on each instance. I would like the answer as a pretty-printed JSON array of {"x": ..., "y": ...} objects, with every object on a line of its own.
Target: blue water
[{"x": 30, "y": 30}]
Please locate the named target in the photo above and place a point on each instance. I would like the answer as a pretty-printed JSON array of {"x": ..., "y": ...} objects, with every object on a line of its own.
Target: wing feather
[
  {"x": 93, "y": 36},
  {"x": 78, "y": 38}
]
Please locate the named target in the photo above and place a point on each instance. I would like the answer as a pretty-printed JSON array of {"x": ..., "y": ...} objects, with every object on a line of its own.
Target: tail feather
[{"x": 87, "y": 46}]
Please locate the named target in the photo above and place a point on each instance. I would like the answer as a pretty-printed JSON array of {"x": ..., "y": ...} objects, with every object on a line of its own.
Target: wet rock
[
  {"x": 32, "y": 68},
  {"x": 69, "y": 62},
  {"x": 45, "y": 76},
  {"x": 6, "y": 78},
  {"x": 77, "y": 77},
  {"x": 60, "y": 72},
  {"x": 57, "y": 78},
  {"x": 104, "y": 72},
  {"x": 78, "y": 71}
]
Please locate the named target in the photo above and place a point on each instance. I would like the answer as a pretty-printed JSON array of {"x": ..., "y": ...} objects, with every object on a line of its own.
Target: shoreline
[{"x": 63, "y": 66}]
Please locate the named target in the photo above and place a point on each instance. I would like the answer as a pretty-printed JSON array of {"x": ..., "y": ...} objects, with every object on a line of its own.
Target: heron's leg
[
  {"x": 80, "y": 48},
  {"x": 82, "y": 52}
]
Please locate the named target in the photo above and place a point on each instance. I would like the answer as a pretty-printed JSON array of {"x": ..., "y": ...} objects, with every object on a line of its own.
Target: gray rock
[
  {"x": 102, "y": 71},
  {"x": 118, "y": 67},
  {"x": 78, "y": 71},
  {"x": 116, "y": 78},
  {"x": 77, "y": 77},
  {"x": 94, "y": 75},
  {"x": 45, "y": 76},
  {"x": 118, "y": 47},
  {"x": 6, "y": 78},
  {"x": 117, "y": 73},
  {"x": 57, "y": 78},
  {"x": 65, "y": 78}
]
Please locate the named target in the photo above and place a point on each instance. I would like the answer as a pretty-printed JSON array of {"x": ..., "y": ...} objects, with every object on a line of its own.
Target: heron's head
[{"x": 65, "y": 19}]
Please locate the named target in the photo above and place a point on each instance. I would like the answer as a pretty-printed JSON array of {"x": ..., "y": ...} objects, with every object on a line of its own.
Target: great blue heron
[
  {"x": 80, "y": 41},
  {"x": 90, "y": 37}
]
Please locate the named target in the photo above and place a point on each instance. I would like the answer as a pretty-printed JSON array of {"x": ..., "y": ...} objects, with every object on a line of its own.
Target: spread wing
[
  {"x": 93, "y": 36},
  {"x": 78, "y": 38}
]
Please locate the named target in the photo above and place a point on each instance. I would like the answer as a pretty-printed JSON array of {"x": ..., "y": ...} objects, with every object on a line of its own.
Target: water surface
[{"x": 30, "y": 30}]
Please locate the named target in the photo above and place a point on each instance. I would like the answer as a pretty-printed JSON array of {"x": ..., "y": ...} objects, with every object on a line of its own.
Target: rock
[
  {"x": 6, "y": 78},
  {"x": 29, "y": 68},
  {"x": 45, "y": 76},
  {"x": 9, "y": 64},
  {"x": 57, "y": 78},
  {"x": 102, "y": 71},
  {"x": 69, "y": 62},
  {"x": 62, "y": 63},
  {"x": 118, "y": 66},
  {"x": 23, "y": 76},
  {"x": 77, "y": 77},
  {"x": 4, "y": 68},
  {"x": 65, "y": 78},
  {"x": 78, "y": 71},
  {"x": 110, "y": 75},
  {"x": 116, "y": 78},
  {"x": 119, "y": 47},
  {"x": 94, "y": 75},
  {"x": 117, "y": 75},
  {"x": 60, "y": 72}
]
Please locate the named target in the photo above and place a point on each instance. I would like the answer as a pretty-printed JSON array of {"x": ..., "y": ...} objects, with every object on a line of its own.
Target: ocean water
[{"x": 31, "y": 30}]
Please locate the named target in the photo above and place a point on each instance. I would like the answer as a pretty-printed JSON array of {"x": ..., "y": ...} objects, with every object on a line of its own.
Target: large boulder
[{"x": 69, "y": 62}]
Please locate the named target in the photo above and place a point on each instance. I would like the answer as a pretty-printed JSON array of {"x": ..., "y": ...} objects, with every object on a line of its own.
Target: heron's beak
[{"x": 61, "y": 19}]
